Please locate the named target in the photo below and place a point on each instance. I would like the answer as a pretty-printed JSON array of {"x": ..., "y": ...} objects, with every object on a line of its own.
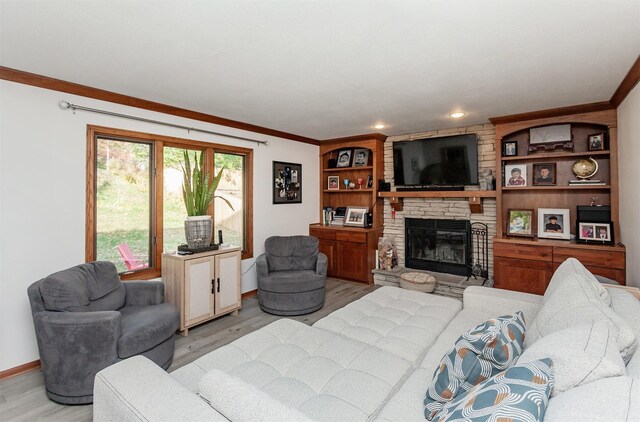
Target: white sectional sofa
[{"x": 371, "y": 360}]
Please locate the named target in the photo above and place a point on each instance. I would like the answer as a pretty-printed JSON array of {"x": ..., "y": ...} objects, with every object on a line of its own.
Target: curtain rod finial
[{"x": 64, "y": 105}]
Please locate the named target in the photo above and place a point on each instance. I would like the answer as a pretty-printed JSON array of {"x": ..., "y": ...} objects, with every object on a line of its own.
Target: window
[
  {"x": 229, "y": 214},
  {"x": 124, "y": 205},
  {"x": 134, "y": 197}
]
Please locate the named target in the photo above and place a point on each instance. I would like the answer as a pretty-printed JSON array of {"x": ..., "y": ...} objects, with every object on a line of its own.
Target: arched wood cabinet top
[{"x": 606, "y": 117}]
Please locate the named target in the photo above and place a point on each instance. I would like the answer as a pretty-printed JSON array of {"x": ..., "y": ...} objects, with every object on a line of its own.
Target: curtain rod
[{"x": 66, "y": 105}]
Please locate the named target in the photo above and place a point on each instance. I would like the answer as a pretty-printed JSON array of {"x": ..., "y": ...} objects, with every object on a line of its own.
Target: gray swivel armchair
[
  {"x": 292, "y": 275},
  {"x": 87, "y": 319}
]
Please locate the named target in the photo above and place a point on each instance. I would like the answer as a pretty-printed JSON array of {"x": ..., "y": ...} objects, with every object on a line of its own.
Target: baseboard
[
  {"x": 249, "y": 294},
  {"x": 21, "y": 369}
]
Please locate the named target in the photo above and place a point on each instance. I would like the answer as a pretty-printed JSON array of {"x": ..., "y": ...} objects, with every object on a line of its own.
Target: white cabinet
[{"x": 203, "y": 286}]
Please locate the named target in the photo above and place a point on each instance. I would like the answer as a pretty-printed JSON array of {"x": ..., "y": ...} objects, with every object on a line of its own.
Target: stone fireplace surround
[{"x": 441, "y": 208}]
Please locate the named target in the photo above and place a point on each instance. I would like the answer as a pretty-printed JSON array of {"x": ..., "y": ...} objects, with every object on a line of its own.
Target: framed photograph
[
  {"x": 544, "y": 174},
  {"x": 596, "y": 142},
  {"x": 344, "y": 158},
  {"x": 553, "y": 223},
  {"x": 369, "y": 181},
  {"x": 355, "y": 216},
  {"x": 589, "y": 232},
  {"x": 510, "y": 149},
  {"x": 333, "y": 183},
  {"x": 287, "y": 183},
  {"x": 520, "y": 223},
  {"x": 515, "y": 175},
  {"x": 360, "y": 157},
  {"x": 550, "y": 137}
]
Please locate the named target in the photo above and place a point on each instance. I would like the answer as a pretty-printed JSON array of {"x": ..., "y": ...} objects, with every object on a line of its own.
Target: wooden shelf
[
  {"x": 558, "y": 243},
  {"x": 581, "y": 187},
  {"x": 552, "y": 155},
  {"x": 347, "y": 169},
  {"x": 364, "y": 190},
  {"x": 440, "y": 194}
]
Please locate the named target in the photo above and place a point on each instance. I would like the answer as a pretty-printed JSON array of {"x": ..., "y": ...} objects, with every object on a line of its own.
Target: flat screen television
[{"x": 446, "y": 161}]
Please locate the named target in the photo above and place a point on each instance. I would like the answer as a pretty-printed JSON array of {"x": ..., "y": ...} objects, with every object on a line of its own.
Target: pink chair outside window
[{"x": 130, "y": 260}]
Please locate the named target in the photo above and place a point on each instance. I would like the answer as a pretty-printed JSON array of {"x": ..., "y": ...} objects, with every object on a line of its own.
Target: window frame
[{"x": 158, "y": 143}]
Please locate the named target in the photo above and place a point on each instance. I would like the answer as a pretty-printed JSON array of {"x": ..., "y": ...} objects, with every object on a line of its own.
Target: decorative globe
[{"x": 583, "y": 169}]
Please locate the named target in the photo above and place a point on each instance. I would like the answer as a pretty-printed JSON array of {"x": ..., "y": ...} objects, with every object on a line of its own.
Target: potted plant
[{"x": 198, "y": 191}]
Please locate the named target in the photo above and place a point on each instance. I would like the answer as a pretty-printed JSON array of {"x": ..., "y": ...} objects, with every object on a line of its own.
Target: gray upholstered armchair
[
  {"x": 87, "y": 319},
  {"x": 291, "y": 275}
]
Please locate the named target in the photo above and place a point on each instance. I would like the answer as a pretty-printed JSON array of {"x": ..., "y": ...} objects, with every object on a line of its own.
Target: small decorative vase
[
  {"x": 346, "y": 183},
  {"x": 360, "y": 183},
  {"x": 198, "y": 231}
]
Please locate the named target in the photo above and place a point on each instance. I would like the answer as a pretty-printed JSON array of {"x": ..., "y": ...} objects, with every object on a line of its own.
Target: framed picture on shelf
[
  {"x": 333, "y": 183},
  {"x": 510, "y": 149},
  {"x": 596, "y": 142},
  {"x": 550, "y": 137},
  {"x": 520, "y": 223},
  {"x": 369, "y": 181},
  {"x": 553, "y": 223},
  {"x": 590, "y": 232},
  {"x": 344, "y": 158},
  {"x": 360, "y": 157},
  {"x": 287, "y": 183},
  {"x": 355, "y": 216},
  {"x": 515, "y": 175},
  {"x": 544, "y": 174}
]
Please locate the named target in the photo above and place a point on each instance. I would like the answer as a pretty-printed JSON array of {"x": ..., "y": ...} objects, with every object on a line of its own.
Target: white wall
[
  {"x": 629, "y": 157},
  {"x": 42, "y": 195}
]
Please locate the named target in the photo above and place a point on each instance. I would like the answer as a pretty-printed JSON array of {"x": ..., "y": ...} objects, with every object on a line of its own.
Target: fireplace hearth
[{"x": 438, "y": 245}]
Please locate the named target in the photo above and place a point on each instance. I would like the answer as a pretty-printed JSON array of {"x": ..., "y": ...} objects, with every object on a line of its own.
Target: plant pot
[{"x": 198, "y": 231}]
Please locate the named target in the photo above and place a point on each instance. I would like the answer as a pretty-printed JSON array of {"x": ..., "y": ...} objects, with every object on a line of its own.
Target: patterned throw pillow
[
  {"x": 521, "y": 393},
  {"x": 476, "y": 356}
]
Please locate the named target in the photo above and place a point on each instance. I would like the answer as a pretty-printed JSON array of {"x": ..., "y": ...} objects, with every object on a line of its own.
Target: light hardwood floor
[{"x": 23, "y": 398}]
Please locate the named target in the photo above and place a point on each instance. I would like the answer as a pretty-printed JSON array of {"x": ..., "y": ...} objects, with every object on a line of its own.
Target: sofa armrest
[
  {"x": 144, "y": 293},
  {"x": 501, "y": 302},
  {"x": 136, "y": 389},
  {"x": 262, "y": 266},
  {"x": 322, "y": 264},
  {"x": 241, "y": 401}
]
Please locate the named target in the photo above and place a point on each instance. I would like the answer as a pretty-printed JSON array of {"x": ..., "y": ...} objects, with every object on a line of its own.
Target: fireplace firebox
[{"x": 438, "y": 245}]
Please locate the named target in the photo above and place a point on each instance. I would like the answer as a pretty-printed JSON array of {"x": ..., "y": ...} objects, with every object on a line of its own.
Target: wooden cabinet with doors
[
  {"x": 203, "y": 286},
  {"x": 527, "y": 264},
  {"x": 351, "y": 250}
]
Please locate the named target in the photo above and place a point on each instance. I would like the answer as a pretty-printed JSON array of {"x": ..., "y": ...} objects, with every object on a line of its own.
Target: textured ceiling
[{"x": 327, "y": 69}]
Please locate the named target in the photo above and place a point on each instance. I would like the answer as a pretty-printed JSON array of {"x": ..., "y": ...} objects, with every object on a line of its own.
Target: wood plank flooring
[{"x": 23, "y": 398}]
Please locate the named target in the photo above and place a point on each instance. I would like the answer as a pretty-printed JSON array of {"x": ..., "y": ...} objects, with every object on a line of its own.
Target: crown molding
[
  {"x": 628, "y": 83},
  {"x": 46, "y": 82}
]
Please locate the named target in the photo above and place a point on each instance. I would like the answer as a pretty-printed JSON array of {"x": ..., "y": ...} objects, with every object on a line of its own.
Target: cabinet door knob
[
  {"x": 213, "y": 289},
  {"x": 218, "y": 284}
]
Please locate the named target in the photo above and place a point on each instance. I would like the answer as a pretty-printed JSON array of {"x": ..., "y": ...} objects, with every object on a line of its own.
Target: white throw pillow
[
  {"x": 575, "y": 302},
  {"x": 573, "y": 266},
  {"x": 610, "y": 399},
  {"x": 580, "y": 355}
]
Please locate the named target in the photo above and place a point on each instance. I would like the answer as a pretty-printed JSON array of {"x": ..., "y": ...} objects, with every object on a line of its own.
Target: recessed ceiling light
[
  {"x": 456, "y": 115},
  {"x": 379, "y": 126}
]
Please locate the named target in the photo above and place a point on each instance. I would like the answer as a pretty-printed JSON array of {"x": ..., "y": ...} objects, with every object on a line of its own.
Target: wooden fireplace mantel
[{"x": 473, "y": 196}]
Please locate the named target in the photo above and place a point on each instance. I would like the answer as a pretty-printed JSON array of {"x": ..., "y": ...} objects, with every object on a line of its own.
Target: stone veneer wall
[{"x": 442, "y": 208}]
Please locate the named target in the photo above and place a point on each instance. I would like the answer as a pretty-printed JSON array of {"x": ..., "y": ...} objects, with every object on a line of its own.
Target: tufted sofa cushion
[
  {"x": 319, "y": 373},
  {"x": 286, "y": 253},
  {"x": 399, "y": 321}
]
